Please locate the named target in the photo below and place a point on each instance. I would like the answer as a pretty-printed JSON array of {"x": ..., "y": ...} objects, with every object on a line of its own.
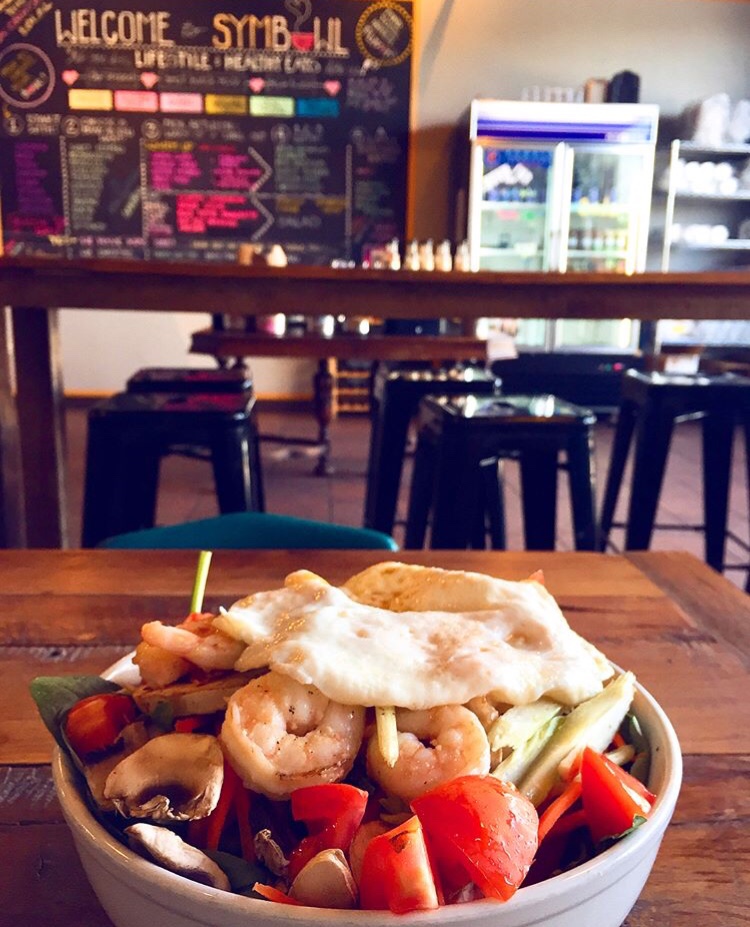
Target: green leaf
[
  {"x": 242, "y": 875},
  {"x": 608, "y": 841},
  {"x": 633, "y": 734},
  {"x": 56, "y": 695},
  {"x": 162, "y": 714}
]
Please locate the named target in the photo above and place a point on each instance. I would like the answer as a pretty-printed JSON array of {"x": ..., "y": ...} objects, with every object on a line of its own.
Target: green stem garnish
[{"x": 201, "y": 577}]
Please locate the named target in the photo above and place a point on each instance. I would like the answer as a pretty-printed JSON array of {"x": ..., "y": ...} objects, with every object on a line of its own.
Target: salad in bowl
[{"x": 416, "y": 740}]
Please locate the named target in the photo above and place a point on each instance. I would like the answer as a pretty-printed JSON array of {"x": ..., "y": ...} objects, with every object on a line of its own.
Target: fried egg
[{"x": 417, "y": 637}]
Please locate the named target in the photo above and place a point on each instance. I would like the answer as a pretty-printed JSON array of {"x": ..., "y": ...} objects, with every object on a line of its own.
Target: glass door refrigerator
[{"x": 562, "y": 187}]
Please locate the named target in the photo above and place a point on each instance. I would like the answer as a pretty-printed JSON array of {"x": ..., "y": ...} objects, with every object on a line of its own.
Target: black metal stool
[
  {"x": 651, "y": 405},
  {"x": 394, "y": 403},
  {"x": 459, "y": 440},
  {"x": 130, "y": 433}
]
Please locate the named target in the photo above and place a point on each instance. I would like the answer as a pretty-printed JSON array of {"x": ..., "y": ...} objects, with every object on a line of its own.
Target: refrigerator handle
[{"x": 565, "y": 193}]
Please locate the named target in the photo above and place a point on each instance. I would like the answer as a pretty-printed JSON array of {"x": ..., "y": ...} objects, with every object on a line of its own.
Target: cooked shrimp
[
  {"x": 434, "y": 745},
  {"x": 488, "y": 711},
  {"x": 280, "y": 735},
  {"x": 157, "y": 667},
  {"x": 196, "y": 640}
]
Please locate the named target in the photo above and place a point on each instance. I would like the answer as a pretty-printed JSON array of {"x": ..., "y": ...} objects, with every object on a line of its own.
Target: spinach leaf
[{"x": 242, "y": 875}]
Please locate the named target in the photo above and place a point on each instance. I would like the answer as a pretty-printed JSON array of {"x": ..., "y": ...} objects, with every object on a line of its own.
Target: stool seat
[
  {"x": 394, "y": 403},
  {"x": 130, "y": 433},
  {"x": 460, "y": 435},
  {"x": 190, "y": 380},
  {"x": 651, "y": 405}
]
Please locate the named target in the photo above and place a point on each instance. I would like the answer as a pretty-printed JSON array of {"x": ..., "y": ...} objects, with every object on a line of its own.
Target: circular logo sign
[
  {"x": 26, "y": 76},
  {"x": 384, "y": 33}
]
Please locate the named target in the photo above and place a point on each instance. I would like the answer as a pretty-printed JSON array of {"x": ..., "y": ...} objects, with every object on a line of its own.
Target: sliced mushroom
[
  {"x": 175, "y": 777},
  {"x": 131, "y": 738},
  {"x": 325, "y": 882},
  {"x": 192, "y": 698},
  {"x": 170, "y": 851},
  {"x": 270, "y": 853}
]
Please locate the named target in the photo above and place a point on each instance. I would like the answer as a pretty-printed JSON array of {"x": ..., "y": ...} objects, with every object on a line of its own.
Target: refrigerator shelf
[
  {"x": 500, "y": 205},
  {"x": 732, "y": 244},
  {"x": 597, "y": 252},
  {"x": 740, "y": 195},
  {"x": 600, "y": 210}
]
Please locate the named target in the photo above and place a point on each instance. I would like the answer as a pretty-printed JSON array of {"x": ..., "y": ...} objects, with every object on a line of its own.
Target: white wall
[{"x": 683, "y": 50}]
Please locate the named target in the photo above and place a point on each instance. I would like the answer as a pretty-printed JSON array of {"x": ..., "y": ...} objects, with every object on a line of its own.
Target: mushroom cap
[
  {"x": 173, "y": 853},
  {"x": 325, "y": 882},
  {"x": 174, "y": 777}
]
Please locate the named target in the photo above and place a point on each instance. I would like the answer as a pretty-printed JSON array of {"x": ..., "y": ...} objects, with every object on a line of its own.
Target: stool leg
[
  {"x": 230, "y": 456},
  {"x": 421, "y": 492},
  {"x": 718, "y": 435},
  {"x": 652, "y": 446},
  {"x": 539, "y": 498},
  {"x": 458, "y": 498},
  {"x": 746, "y": 423},
  {"x": 387, "y": 448},
  {"x": 257, "y": 490},
  {"x": 582, "y": 489},
  {"x": 101, "y": 458},
  {"x": 621, "y": 445},
  {"x": 494, "y": 501}
]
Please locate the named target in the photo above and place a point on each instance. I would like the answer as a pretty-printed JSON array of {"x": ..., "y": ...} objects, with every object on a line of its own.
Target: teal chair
[{"x": 251, "y": 530}]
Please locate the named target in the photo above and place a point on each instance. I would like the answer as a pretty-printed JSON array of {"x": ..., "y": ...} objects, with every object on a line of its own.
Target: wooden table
[
  {"x": 683, "y": 629},
  {"x": 233, "y": 344},
  {"x": 32, "y": 466}
]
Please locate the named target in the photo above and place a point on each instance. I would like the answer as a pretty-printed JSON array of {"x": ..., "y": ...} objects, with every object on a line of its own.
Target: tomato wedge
[
  {"x": 612, "y": 798},
  {"x": 396, "y": 873},
  {"x": 480, "y": 830},
  {"x": 332, "y": 814},
  {"x": 94, "y": 724}
]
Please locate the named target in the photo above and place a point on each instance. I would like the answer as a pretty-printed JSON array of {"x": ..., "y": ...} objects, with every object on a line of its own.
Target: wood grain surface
[
  {"x": 680, "y": 627},
  {"x": 155, "y": 286}
]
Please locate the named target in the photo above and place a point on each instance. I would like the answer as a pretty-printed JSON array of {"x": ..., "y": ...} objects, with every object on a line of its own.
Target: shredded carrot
[
  {"x": 565, "y": 800},
  {"x": 273, "y": 894},
  {"x": 217, "y": 820},
  {"x": 242, "y": 810},
  {"x": 618, "y": 740}
]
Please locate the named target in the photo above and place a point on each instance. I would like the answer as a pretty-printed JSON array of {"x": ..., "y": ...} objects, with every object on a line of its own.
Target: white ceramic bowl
[{"x": 137, "y": 893}]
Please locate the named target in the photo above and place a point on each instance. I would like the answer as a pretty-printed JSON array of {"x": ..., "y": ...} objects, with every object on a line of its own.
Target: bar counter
[
  {"x": 32, "y": 465},
  {"x": 683, "y": 629}
]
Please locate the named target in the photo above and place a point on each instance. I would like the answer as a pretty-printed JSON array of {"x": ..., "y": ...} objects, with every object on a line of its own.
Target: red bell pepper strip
[
  {"x": 242, "y": 811},
  {"x": 332, "y": 813},
  {"x": 216, "y": 821}
]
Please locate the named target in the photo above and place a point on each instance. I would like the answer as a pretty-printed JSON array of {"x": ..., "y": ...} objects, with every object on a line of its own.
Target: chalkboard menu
[{"x": 177, "y": 130}]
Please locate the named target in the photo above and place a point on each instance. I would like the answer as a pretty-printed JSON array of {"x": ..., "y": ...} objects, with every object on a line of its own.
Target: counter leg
[
  {"x": 12, "y": 525},
  {"x": 323, "y": 408},
  {"x": 42, "y": 425}
]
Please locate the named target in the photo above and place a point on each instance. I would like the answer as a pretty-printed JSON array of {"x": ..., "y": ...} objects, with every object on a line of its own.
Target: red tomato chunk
[
  {"x": 612, "y": 798},
  {"x": 94, "y": 724},
  {"x": 480, "y": 830},
  {"x": 396, "y": 873}
]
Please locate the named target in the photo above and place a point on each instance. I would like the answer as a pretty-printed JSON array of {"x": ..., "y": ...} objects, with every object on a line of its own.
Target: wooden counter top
[{"x": 172, "y": 287}]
